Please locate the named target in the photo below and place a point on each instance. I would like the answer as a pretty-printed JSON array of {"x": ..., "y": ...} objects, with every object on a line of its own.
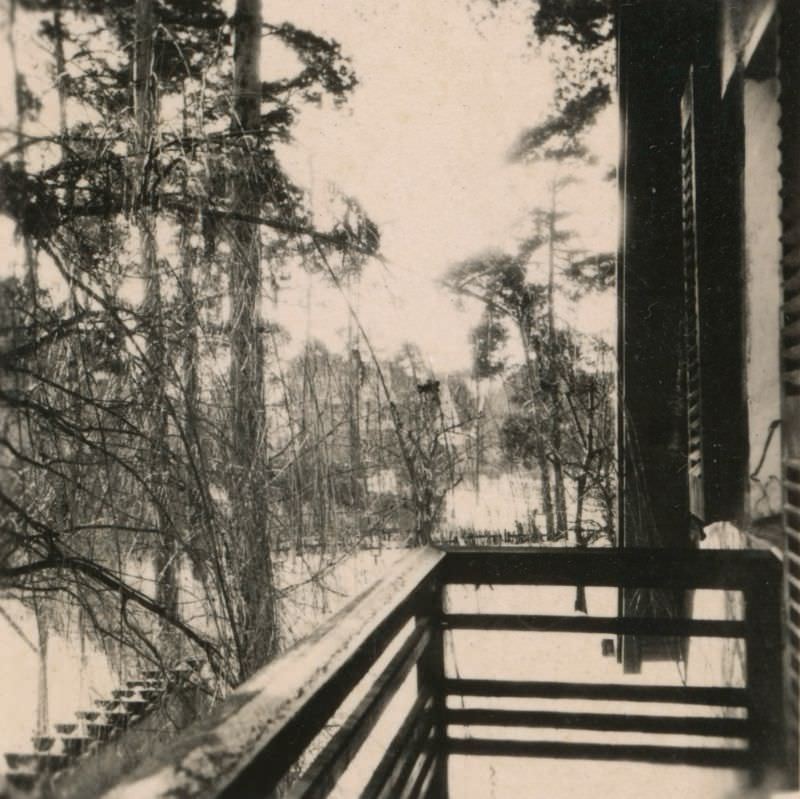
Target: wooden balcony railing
[{"x": 302, "y": 720}]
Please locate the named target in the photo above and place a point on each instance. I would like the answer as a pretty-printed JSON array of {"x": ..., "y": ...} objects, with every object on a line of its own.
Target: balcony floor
[{"x": 516, "y": 778}]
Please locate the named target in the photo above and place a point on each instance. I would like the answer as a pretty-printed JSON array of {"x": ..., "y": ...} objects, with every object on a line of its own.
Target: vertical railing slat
[
  {"x": 764, "y": 667},
  {"x": 431, "y": 677}
]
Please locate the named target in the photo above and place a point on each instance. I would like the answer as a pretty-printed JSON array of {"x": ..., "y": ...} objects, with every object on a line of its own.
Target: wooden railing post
[
  {"x": 765, "y": 686},
  {"x": 431, "y": 680}
]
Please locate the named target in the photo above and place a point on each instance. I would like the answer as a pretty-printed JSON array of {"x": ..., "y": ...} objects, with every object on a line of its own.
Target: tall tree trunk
[
  {"x": 154, "y": 394},
  {"x": 315, "y": 420},
  {"x": 579, "y": 501},
  {"x": 559, "y": 491},
  {"x": 196, "y": 515},
  {"x": 61, "y": 70},
  {"x": 194, "y": 505},
  {"x": 42, "y": 697},
  {"x": 552, "y": 346},
  {"x": 539, "y": 444},
  {"x": 297, "y": 487},
  {"x": 551, "y": 265},
  {"x": 580, "y": 590},
  {"x": 248, "y": 412},
  {"x": 357, "y": 487},
  {"x": 31, "y": 278},
  {"x": 547, "y": 495},
  {"x": 478, "y": 436}
]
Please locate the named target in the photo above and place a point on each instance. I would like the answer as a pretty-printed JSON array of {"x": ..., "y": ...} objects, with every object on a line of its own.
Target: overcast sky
[{"x": 444, "y": 90}]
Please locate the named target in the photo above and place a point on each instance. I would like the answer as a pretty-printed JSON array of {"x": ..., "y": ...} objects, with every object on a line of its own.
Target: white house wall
[{"x": 762, "y": 292}]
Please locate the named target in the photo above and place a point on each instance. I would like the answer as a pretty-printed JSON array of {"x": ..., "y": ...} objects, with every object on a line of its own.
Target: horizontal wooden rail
[
  {"x": 626, "y": 568},
  {"x": 698, "y": 756},
  {"x": 607, "y": 722},
  {"x": 594, "y": 624},
  {"x": 259, "y": 732},
  {"x": 674, "y": 694}
]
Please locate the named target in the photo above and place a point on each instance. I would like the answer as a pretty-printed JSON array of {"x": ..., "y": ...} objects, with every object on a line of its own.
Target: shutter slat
[
  {"x": 791, "y": 328},
  {"x": 792, "y": 305},
  {"x": 791, "y": 279},
  {"x": 792, "y": 353},
  {"x": 789, "y": 60}
]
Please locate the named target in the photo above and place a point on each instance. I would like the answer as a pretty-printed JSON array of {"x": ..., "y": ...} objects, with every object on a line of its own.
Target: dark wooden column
[
  {"x": 653, "y": 59},
  {"x": 718, "y": 198},
  {"x": 430, "y": 681},
  {"x": 764, "y": 662}
]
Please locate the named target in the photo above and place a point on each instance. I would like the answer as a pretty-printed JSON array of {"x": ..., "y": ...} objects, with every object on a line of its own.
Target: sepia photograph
[{"x": 399, "y": 399}]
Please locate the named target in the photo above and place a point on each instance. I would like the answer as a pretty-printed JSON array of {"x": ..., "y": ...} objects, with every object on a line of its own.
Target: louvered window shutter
[
  {"x": 691, "y": 316},
  {"x": 789, "y": 60}
]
